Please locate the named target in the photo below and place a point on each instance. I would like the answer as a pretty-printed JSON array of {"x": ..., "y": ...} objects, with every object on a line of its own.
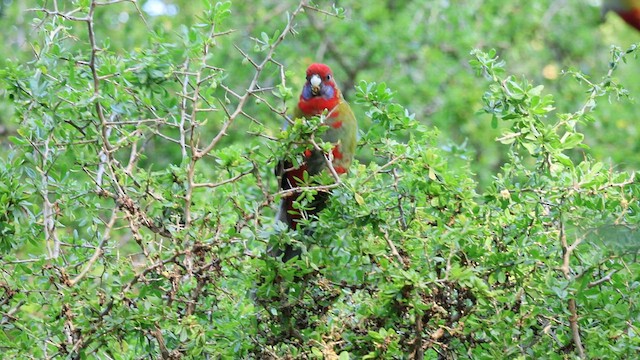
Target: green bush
[{"x": 485, "y": 217}]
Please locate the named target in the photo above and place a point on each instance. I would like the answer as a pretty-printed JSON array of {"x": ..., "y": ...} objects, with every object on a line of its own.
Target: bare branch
[
  {"x": 157, "y": 334},
  {"x": 98, "y": 251},
  {"x": 603, "y": 279},
  {"x": 254, "y": 83},
  {"x": 183, "y": 112},
  {"x": 223, "y": 182},
  {"x": 567, "y": 251},
  {"x": 383, "y": 167},
  {"x": 392, "y": 247},
  {"x": 321, "y": 188},
  {"x": 49, "y": 209}
]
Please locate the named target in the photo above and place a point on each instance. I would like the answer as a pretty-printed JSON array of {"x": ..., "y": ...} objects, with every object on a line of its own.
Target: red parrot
[
  {"x": 628, "y": 10},
  {"x": 319, "y": 93}
]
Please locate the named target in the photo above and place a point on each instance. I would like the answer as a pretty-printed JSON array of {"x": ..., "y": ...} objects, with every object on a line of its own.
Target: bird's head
[{"x": 319, "y": 83}]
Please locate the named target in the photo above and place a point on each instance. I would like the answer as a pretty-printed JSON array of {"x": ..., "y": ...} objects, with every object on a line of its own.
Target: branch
[
  {"x": 124, "y": 202},
  {"x": 602, "y": 280},
  {"x": 320, "y": 188},
  {"x": 575, "y": 330},
  {"x": 49, "y": 209},
  {"x": 418, "y": 351},
  {"x": 392, "y": 247},
  {"x": 98, "y": 252},
  {"x": 183, "y": 111},
  {"x": 254, "y": 83},
  {"x": 223, "y": 182},
  {"x": 567, "y": 251},
  {"x": 8, "y": 316},
  {"x": 403, "y": 221},
  {"x": 157, "y": 333},
  {"x": 389, "y": 163}
]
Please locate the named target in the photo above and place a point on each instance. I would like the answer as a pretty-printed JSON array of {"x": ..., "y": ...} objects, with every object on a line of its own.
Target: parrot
[
  {"x": 628, "y": 10},
  {"x": 319, "y": 94}
]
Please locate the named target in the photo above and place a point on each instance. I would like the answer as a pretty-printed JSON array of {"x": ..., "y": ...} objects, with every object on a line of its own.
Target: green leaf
[{"x": 571, "y": 140}]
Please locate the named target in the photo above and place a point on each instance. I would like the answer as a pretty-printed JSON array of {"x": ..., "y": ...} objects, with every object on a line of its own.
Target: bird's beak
[{"x": 315, "y": 82}]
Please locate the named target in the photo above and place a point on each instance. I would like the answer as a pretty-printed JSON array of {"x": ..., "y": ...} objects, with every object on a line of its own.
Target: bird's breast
[{"x": 317, "y": 105}]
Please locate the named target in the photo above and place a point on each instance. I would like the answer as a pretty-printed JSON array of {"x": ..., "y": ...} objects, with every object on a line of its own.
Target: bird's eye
[{"x": 328, "y": 76}]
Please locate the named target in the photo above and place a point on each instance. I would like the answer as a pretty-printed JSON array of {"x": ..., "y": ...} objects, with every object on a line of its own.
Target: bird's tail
[{"x": 289, "y": 251}]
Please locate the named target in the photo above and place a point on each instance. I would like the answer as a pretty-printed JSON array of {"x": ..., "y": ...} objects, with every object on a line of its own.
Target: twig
[
  {"x": 223, "y": 182},
  {"x": 575, "y": 330},
  {"x": 140, "y": 217},
  {"x": 403, "y": 221},
  {"x": 383, "y": 167},
  {"x": 8, "y": 316},
  {"x": 48, "y": 208},
  {"x": 320, "y": 188},
  {"x": 418, "y": 351},
  {"x": 603, "y": 279},
  {"x": 254, "y": 82},
  {"x": 157, "y": 334},
  {"x": 392, "y": 246},
  {"x": 183, "y": 112},
  {"x": 98, "y": 251},
  {"x": 567, "y": 251}
]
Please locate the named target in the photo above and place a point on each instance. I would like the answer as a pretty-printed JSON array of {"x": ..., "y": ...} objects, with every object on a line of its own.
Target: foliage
[{"x": 137, "y": 188}]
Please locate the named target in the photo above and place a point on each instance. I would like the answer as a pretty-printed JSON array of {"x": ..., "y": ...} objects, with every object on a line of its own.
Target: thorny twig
[{"x": 567, "y": 251}]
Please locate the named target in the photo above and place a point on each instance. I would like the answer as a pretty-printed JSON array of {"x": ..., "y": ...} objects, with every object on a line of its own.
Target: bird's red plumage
[
  {"x": 317, "y": 105},
  {"x": 336, "y": 152},
  {"x": 631, "y": 17},
  {"x": 320, "y": 69}
]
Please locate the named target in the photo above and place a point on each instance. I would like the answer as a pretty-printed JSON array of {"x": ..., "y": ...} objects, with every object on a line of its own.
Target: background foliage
[{"x": 492, "y": 211}]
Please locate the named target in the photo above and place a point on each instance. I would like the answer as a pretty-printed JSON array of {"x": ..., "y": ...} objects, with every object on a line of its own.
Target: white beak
[{"x": 315, "y": 80}]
